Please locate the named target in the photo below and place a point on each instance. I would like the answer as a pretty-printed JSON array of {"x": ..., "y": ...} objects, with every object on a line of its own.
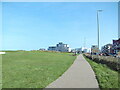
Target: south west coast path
[{"x": 79, "y": 75}]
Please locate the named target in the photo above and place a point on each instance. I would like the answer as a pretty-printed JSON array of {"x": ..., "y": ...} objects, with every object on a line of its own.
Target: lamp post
[{"x": 98, "y": 25}]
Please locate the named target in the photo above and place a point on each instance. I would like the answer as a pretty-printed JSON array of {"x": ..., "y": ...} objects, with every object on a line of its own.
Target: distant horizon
[
  {"x": 48, "y": 47},
  {"x": 35, "y": 25}
]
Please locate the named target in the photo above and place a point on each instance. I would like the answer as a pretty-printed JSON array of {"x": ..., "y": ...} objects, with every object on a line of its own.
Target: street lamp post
[{"x": 98, "y": 26}]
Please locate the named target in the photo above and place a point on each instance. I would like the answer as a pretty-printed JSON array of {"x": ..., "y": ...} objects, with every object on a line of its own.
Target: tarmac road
[{"x": 79, "y": 75}]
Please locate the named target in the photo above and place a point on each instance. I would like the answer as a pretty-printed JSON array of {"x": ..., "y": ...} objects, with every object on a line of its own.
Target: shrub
[{"x": 112, "y": 62}]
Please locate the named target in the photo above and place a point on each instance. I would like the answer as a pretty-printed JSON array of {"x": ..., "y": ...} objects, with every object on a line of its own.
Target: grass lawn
[
  {"x": 0, "y": 72},
  {"x": 33, "y": 69},
  {"x": 106, "y": 77}
]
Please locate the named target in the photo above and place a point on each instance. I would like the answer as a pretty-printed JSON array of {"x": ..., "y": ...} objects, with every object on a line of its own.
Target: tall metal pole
[{"x": 98, "y": 27}]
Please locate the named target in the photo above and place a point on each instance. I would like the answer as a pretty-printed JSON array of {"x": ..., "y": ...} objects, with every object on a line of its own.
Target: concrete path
[{"x": 79, "y": 75}]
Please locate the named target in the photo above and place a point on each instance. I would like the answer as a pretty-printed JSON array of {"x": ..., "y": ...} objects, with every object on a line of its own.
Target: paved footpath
[{"x": 79, "y": 75}]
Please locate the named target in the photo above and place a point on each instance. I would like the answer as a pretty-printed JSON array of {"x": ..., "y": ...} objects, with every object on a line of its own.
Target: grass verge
[
  {"x": 33, "y": 69},
  {"x": 0, "y": 72},
  {"x": 106, "y": 77}
]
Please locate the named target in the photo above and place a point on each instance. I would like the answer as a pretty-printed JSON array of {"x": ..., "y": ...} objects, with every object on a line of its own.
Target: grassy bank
[
  {"x": 111, "y": 62},
  {"x": 106, "y": 77},
  {"x": 33, "y": 69},
  {"x": 0, "y": 72}
]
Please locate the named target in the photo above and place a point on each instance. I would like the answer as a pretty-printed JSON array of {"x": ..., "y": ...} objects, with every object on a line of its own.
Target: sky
[{"x": 35, "y": 25}]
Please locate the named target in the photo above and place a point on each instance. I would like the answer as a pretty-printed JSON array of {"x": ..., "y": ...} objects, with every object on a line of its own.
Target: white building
[
  {"x": 60, "y": 47},
  {"x": 78, "y": 50},
  {"x": 52, "y": 48},
  {"x": 83, "y": 50},
  {"x": 2, "y": 52}
]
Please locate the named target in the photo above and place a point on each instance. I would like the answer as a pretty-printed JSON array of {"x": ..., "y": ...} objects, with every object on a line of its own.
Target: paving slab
[{"x": 79, "y": 75}]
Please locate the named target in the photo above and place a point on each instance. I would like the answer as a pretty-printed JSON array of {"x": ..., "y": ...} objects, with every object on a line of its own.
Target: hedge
[{"x": 112, "y": 62}]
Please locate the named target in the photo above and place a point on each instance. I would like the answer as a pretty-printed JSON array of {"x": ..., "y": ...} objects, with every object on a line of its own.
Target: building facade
[
  {"x": 82, "y": 50},
  {"x": 116, "y": 45},
  {"x": 94, "y": 50},
  {"x": 60, "y": 47},
  {"x": 52, "y": 48},
  {"x": 78, "y": 50},
  {"x": 42, "y": 49},
  {"x": 107, "y": 49}
]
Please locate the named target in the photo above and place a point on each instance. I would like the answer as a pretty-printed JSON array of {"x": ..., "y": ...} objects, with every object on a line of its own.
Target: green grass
[
  {"x": 33, "y": 69},
  {"x": 0, "y": 72},
  {"x": 106, "y": 77}
]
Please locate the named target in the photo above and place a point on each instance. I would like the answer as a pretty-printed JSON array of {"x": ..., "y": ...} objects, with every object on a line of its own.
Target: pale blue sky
[{"x": 34, "y": 25}]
